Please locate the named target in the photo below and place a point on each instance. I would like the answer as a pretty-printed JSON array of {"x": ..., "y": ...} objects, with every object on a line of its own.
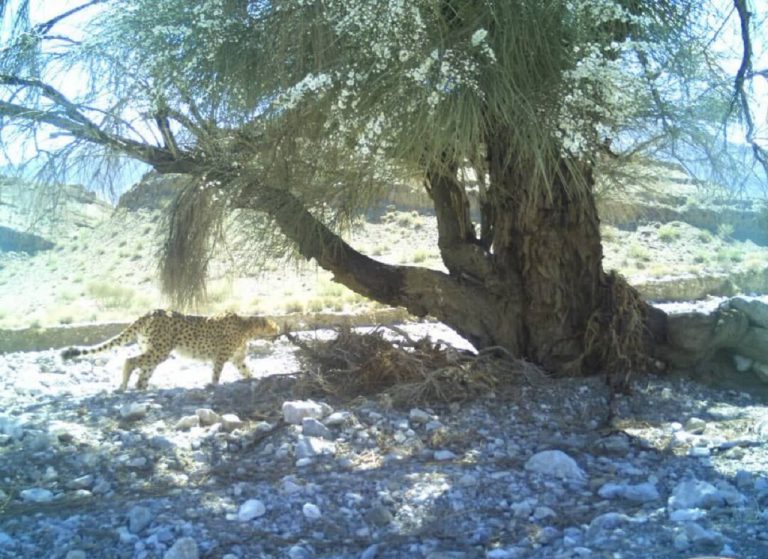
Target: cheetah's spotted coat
[{"x": 218, "y": 339}]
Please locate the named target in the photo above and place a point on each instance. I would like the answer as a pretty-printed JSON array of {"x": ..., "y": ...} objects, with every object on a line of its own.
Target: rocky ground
[{"x": 248, "y": 469}]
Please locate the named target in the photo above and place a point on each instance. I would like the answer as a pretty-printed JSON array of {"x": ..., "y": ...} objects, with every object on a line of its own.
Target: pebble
[
  {"x": 139, "y": 518},
  {"x": 311, "y": 512},
  {"x": 207, "y": 416},
  {"x": 642, "y": 493},
  {"x": 183, "y": 548},
  {"x": 252, "y": 508},
  {"x": 134, "y": 411},
  {"x": 296, "y": 410},
  {"x": 230, "y": 422},
  {"x": 314, "y": 428},
  {"x": 443, "y": 455},
  {"x": 36, "y": 495},
  {"x": 555, "y": 463},
  {"x": 419, "y": 416},
  {"x": 187, "y": 422}
]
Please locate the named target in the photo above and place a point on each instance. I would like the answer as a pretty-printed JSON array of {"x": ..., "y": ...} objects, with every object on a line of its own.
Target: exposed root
[
  {"x": 402, "y": 373},
  {"x": 615, "y": 335}
]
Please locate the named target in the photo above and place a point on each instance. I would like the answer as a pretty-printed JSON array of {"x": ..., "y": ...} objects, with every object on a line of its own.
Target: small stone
[
  {"x": 695, "y": 425},
  {"x": 75, "y": 554},
  {"x": 134, "y": 411},
  {"x": 444, "y": 455},
  {"x": 686, "y": 515},
  {"x": 187, "y": 422},
  {"x": 311, "y": 512},
  {"x": 299, "y": 552},
  {"x": 641, "y": 493},
  {"x": 139, "y": 518},
  {"x": 296, "y": 410},
  {"x": 6, "y": 540},
  {"x": 252, "y": 508},
  {"x": 207, "y": 416},
  {"x": 691, "y": 494},
  {"x": 82, "y": 482},
  {"x": 338, "y": 418},
  {"x": 308, "y": 447},
  {"x": 419, "y": 416},
  {"x": 313, "y": 428},
  {"x": 230, "y": 422},
  {"x": 555, "y": 463},
  {"x": 467, "y": 480},
  {"x": 184, "y": 548},
  {"x": 36, "y": 495},
  {"x": 379, "y": 515},
  {"x": 542, "y": 512},
  {"x": 701, "y": 536},
  {"x": 742, "y": 364},
  {"x": 370, "y": 552}
]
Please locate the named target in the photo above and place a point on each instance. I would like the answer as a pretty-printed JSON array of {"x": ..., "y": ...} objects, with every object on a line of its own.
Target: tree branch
[
  {"x": 420, "y": 290},
  {"x": 740, "y": 96}
]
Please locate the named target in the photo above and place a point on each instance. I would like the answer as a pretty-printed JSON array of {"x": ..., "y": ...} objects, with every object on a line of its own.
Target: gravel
[{"x": 249, "y": 469}]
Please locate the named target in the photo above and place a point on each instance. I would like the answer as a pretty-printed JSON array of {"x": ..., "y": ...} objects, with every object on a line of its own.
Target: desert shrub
[{"x": 669, "y": 232}]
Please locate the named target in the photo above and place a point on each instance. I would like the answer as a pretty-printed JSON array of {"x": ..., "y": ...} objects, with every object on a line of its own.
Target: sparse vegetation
[
  {"x": 669, "y": 232},
  {"x": 111, "y": 296},
  {"x": 725, "y": 231}
]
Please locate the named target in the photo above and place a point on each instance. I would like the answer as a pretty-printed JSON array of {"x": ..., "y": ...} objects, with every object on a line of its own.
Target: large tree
[{"x": 306, "y": 110}]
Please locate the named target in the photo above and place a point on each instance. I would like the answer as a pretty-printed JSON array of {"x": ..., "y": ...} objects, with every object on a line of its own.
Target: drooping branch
[
  {"x": 744, "y": 74},
  {"x": 420, "y": 290}
]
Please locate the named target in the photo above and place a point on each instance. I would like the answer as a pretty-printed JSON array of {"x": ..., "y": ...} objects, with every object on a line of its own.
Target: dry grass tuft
[{"x": 401, "y": 373}]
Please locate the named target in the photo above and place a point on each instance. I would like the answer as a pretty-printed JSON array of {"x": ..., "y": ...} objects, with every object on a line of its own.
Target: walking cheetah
[{"x": 218, "y": 339}]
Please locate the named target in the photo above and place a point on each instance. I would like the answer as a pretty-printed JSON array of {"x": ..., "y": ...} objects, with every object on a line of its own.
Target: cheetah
[{"x": 218, "y": 339}]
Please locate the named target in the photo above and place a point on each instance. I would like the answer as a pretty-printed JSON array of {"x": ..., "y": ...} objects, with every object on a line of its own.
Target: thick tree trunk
[{"x": 542, "y": 296}]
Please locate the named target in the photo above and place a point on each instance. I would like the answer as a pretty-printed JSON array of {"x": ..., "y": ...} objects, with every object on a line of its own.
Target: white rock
[
  {"x": 187, "y": 422},
  {"x": 134, "y": 411},
  {"x": 82, "y": 482},
  {"x": 557, "y": 464},
  {"x": 207, "y": 416},
  {"x": 311, "y": 512},
  {"x": 296, "y": 410},
  {"x": 252, "y": 508},
  {"x": 443, "y": 455},
  {"x": 230, "y": 422},
  {"x": 308, "y": 447},
  {"x": 139, "y": 518},
  {"x": 338, "y": 418},
  {"x": 642, "y": 493},
  {"x": 686, "y": 515},
  {"x": 183, "y": 548},
  {"x": 36, "y": 495},
  {"x": 692, "y": 494}
]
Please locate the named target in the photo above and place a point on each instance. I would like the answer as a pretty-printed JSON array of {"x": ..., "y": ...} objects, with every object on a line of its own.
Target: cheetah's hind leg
[{"x": 146, "y": 364}]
